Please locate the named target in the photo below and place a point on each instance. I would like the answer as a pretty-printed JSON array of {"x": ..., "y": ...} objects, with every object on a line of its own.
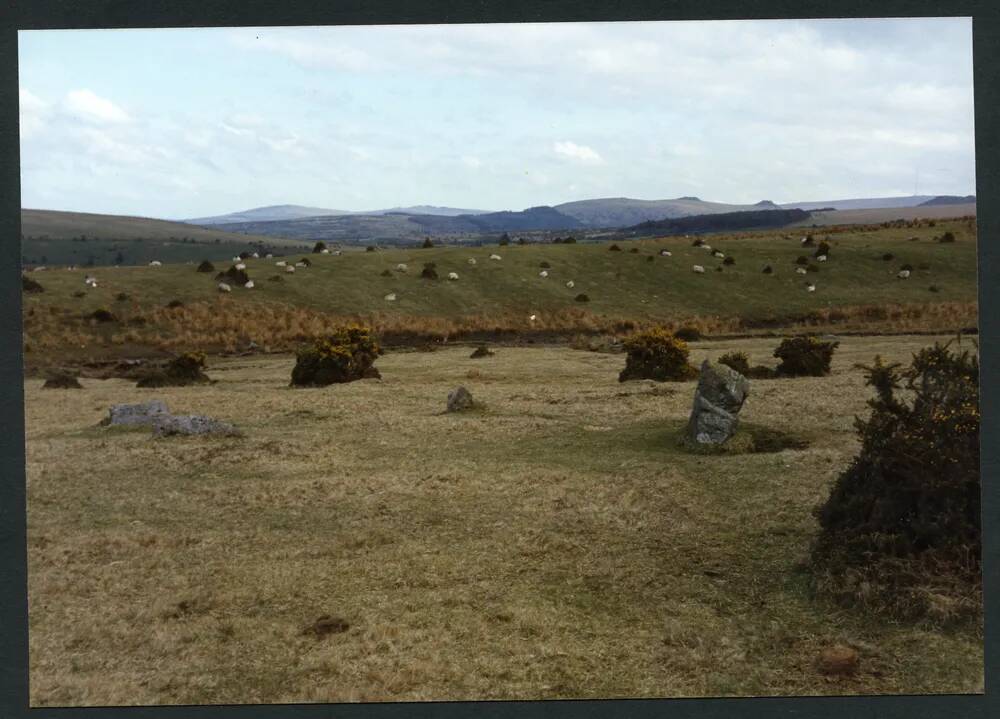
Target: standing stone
[
  {"x": 144, "y": 413},
  {"x": 460, "y": 399},
  {"x": 717, "y": 402}
]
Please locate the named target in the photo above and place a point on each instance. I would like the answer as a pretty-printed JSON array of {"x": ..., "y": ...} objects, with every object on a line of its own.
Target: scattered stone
[
  {"x": 460, "y": 399},
  {"x": 168, "y": 425},
  {"x": 718, "y": 400},
  {"x": 838, "y": 660},
  {"x": 140, "y": 414}
]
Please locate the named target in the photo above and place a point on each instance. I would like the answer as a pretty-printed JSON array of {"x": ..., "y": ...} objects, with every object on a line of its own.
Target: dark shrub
[
  {"x": 823, "y": 248},
  {"x": 947, "y": 237},
  {"x": 737, "y": 361},
  {"x": 233, "y": 276},
  {"x": 520, "y": 241},
  {"x": 306, "y": 261},
  {"x": 557, "y": 241},
  {"x": 206, "y": 266},
  {"x": 934, "y": 288},
  {"x": 569, "y": 240},
  {"x": 809, "y": 242},
  {"x": 122, "y": 297},
  {"x": 650, "y": 258},
  {"x": 805, "y": 356},
  {"x": 427, "y": 243},
  {"x": 888, "y": 257},
  {"x": 346, "y": 355},
  {"x": 767, "y": 269},
  {"x": 729, "y": 260},
  {"x": 186, "y": 369},
  {"x": 634, "y": 249},
  {"x": 504, "y": 240},
  {"x": 30, "y": 286},
  {"x": 481, "y": 351},
  {"x": 802, "y": 260},
  {"x": 319, "y": 247},
  {"x": 582, "y": 297},
  {"x": 385, "y": 273},
  {"x": 688, "y": 333},
  {"x": 900, "y": 531},
  {"x": 698, "y": 242},
  {"x": 614, "y": 248},
  {"x": 61, "y": 379},
  {"x": 103, "y": 315},
  {"x": 79, "y": 293},
  {"x": 906, "y": 268},
  {"x": 812, "y": 267},
  {"x": 370, "y": 248},
  {"x": 245, "y": 255},
  {"x": 658, "y": 355},
  {"x": 429, "y": 273},
  {"x": 275, "y": 278},
  {"x": 174, "y": 304},
  {"x": 544, "y": 265}
]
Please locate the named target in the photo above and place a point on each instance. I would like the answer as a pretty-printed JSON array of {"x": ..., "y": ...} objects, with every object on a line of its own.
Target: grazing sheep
[
  {"x": 223, "y": 287},
  {"x": 391, "y": 297},
  {"x": 155, "y": 263},
  {"x": 533, "y": 318},
  {"x": 494, "y": 257},
  {"x": 719, "y": 255},
  {"x": 255, "y": 255},
  {"x": 336, "y": 252},
  {"x": 324, "y": 251},
  {"x": 801, "y": 270},
  {"x": 289, "y": 269},
  {"x": 452, "y": 275},
  {"x": 401, "y": 267},
  {"x": 804, "y": 240},
  {"x": 810, "y": 288},
  {"x": 268, "y": 256},
  {"x": 699, "y": 269},
  {"x": 665, "y": 253},
  {"x": 241, "y": 266},
  {"x": 821, "y": 258},
  {"x": 472, "y": 260},
  {"x": 249, "y": 284},
  {"x": 571, "y": 284},
  {"x": 543, "y": 273},
  {"x": 237, "y": 258},
  {"x": 903, "y": 274},
  {"x": 88, "y": 279},
  {"x": 280, "y": 263},
  {"x": 39, "y": 269},
  {"x": 300, "y": 264},
  {"x": 707, "y": 248}
]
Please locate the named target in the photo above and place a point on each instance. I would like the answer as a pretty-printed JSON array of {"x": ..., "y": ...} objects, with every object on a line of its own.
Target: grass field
[
  {"x": 888, "y": 214},
  {"x": 501, "y": 295},
  {"x": 555, "y": 544}
]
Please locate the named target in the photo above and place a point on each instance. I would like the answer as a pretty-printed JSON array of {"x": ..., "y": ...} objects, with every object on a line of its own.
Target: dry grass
[{"x": 556, "y": 544}]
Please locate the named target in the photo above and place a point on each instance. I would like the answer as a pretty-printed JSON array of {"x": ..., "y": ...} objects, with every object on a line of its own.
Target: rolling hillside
[{"x": 887, "y": 214}]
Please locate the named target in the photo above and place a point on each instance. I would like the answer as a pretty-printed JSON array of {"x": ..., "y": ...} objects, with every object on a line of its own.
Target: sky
[{"x": 183, "y": 123}]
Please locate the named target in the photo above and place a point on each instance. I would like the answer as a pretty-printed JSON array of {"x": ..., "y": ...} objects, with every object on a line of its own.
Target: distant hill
[
  {"x": 426, "y": 210},
  {"x": 266, "y": 214},
  {"x": 719, "y": 222},
  {"x": 949, "y": 200},
  {"x": 876, "y": 215},
  {"x": 863, "y": 203},
  {"x": 625, "y": 211}
]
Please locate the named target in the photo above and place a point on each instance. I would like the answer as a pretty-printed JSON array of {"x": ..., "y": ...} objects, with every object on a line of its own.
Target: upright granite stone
[
  {"x": 460, "y": 399},
  {"x": 167, "y": 425},
  {"x": 717, "y": 402},
  {"x": 144, "y": 413}
]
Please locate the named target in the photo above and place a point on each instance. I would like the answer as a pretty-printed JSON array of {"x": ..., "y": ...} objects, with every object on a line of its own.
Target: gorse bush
[
  {"x": 102, "y": 314},
  {"x": 901, "y": 528},
  {"x": 319, "y": 247},
  {"x": 427, "y": 243},
  {"x": 805, "y": 356},
  {"x": 738, "y": 361},
  {"x": 31, "y": 286},
  {"x": 206, "y": 266},
  {"x": 185, "y": 369},
  {"x": 233, "y": 276},
  {"x": 347, "y": 354},
  {"x": 823, "y": 248},
  {"x": 658, "y": 355},
  {"x": 688, "y": 333}
]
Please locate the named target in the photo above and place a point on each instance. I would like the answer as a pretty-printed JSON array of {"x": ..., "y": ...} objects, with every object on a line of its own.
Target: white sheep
[
  {"x": 240, "y": 266},
  {"x": 336, "y": 252},
  {"x": 903, "y": 274},
  {"x": 533, "y": 318},
  {"x": 39, "y": 269},
  {"x": 155, "y": 263},
  {"x": 804, "y": 240},
  {"x": 810, "y": 287},
  {"x": 707, "y": 248},
  {"x": 237, "y": 258},
  {"x": 543, "y": 273},
  {"x": 571, "y": 284},
  {"x": 324, "y": 251},
  {"x": 268, "y": 256},
  {"x": 256, "y": 255},
  {"x": 472, "y": 260},
  {"x": 821, "y": 258},
  {"x": 280, "y": 263},
  {"x": 223, "y": 287},
  {"x": 801, "y": 270},
  {"x": 452, "y": 275},
  {"x": 289, "y": 269},
  {"x": 719, "y": 255},
  {"x": 300, "y": 264},
  {"x": 402, "y": 267},
  {"x": 249, "y": 284},
  {"x": 494, "y": 257},
  {"x": 665, "y": 253},
  {"x": 699, "y": 269},
  {"x": 391, "y": 297}
]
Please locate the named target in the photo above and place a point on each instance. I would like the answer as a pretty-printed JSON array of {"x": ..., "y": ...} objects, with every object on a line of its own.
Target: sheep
[
  {"x": 571, "y": 284},
  {"x": 39, "y": 269},
  {"x": 391, "y": 297},
  {"x": 494, "y": 257},
  {"x": 821, "y": 258},
  {"x": 903, "y": 274},
  {"x": 268, "y": 256},
  {"x": 452, "y": 275},
  {"x": 324, "y": 251},
  {"x": 543, "y": 273},
  {"x": 707, "y": 248},
  {"x": 241, "y": 266},
  {"x": 280, "y": 263},
  {"x": 89, "y": 279},
  {"x": 223, "y": 287},
  {"x": 237, "y": 258},
  {"x": 155, "y": 263},
  {"x": 336, "y": 252},
  {"x": 401, "y": 267},
  {"x": 699, "y": 269},
  {"x": 801, "y": 270},
  {"x": 533, "y": 318},
  {"x": 718, "y": 255},
  {"x": 256, "y": 255},
  {"x": 803, "y": 241},
  {"x": 249, "y": 284},
  {"x": 665, "y": 253},
  {"x": 810, "y": 288},
  {"x": 289, "y": 269},
  {"x": 472, "y": 260}
]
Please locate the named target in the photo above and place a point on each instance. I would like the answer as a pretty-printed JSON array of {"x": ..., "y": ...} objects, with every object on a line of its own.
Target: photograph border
[{"x": 56, "y": 14}]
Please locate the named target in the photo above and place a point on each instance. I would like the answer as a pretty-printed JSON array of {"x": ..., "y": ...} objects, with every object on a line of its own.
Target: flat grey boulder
[
  {"x": 460, "y": 399},
  {"x": 168, "y": 425},
  {"x": 144, "y": 413},
  {"x": 718, "y": 400}
]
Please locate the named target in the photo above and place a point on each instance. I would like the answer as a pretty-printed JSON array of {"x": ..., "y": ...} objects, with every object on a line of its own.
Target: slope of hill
[
  {"x": 949, "y": 200},
  {"x": 58, "y": 238},
  {"x": 719, "y": 222},
  {"x": 426, "y": 210},
  {"x": 887, "y": 214},
  {"x": 625, "y": 211},
  {"x": 266, "y": 214},
  {"x": 863, "y": 203}
]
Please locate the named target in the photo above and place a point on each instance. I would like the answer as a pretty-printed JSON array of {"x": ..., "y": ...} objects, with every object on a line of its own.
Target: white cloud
[
  {"x": 472, "y": 162},
  {"x": 579, "y": 153},
  {"x": 33, "y": 113},
  {"x": 308, "y": 53},
  {"x": 89, "y": 106}
]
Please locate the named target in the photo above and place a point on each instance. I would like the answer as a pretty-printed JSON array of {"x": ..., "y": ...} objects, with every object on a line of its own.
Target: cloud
[
  {"x": 89, "y": 106},
  {"x": 306, "y": 52},
  {"x": 579, "y": 153},
  {"x": 33, "y": 113},
  {"x": 472, "y": 162}
]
